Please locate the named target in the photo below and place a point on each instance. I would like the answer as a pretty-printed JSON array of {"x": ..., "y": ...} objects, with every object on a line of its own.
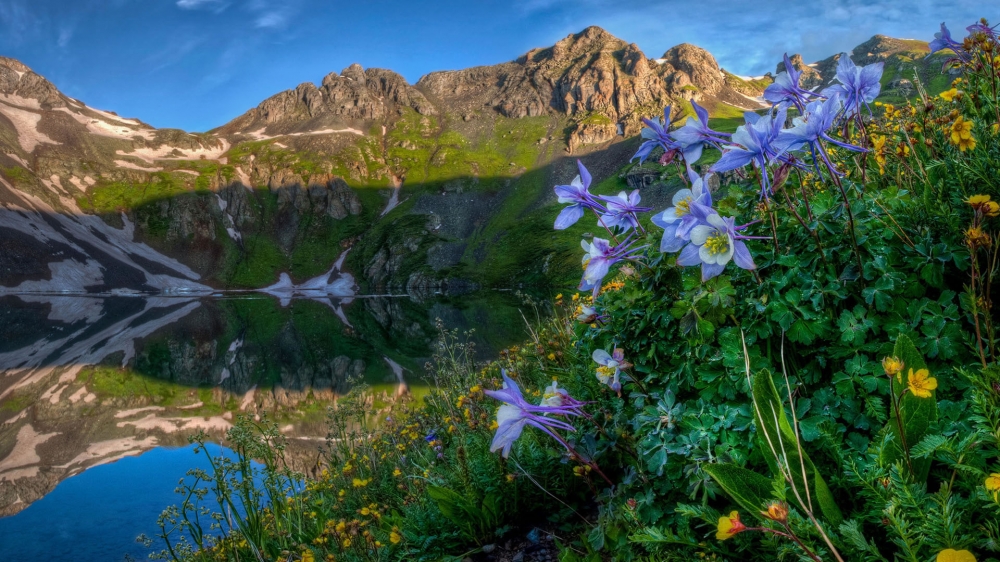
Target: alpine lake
[{"x": 100, "y": 394}]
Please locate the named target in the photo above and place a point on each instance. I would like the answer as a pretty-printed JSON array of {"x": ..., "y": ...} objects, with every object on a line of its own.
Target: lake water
[{"x": 98, "y": 395}]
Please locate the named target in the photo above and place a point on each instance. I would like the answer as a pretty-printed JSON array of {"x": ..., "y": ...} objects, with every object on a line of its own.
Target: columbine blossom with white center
[
  {"x": 690, "y": 208},
  {"x": 715, "y": 244},
  {"x": 516, "y": 413},
  {"x": 611, "y": 365}
]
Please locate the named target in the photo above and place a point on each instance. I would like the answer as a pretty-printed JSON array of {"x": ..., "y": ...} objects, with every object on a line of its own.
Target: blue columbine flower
[
  {"x": 858, "y": 86},
  {"x": 611, "y": 365},
  {"x": 713, "y": 245},
  {"x": 656, "y": 135},
  {"x": 577, "y": 193},
  {"x": 785, "y": 87},
  {"x": 622, "y": 210},
  {"x": 984, "y": 28},
  {"x": 753, "y": 143},
  {"x": 690, "y": 208},
  {"x": 599, "y": 258},
  {"x": 516, "y": 413},
  {"x": 811, "y": 130},
  {"x": 942, "y": 41},
  {"x": 695, "y": 134}
]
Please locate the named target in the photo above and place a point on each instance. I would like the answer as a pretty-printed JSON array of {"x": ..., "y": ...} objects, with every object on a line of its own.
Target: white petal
[
  {"x": 717, "y": 221},
  {"x": 681, "y": 195},
  {"x": 577, "y": 182},
  {"x": 508, "y": 412},
  {"x": 700, "y": 234}
]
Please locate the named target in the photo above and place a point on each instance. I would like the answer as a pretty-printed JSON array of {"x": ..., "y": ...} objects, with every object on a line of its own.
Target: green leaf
[
  {"x": 751, "y": 491},
  {"x": 917, "y": 414},
  {"x": 781, "y": 446}
]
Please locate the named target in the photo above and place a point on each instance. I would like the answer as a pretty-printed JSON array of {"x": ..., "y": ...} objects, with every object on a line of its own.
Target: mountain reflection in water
[{"x": 85, "y": 381}]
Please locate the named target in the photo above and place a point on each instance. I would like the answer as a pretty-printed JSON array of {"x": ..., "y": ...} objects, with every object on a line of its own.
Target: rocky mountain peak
[
  {"x": 590, "y": 41},
  {"x": 14, "y": 64},
  {"x": 18, "y": 80},
  {"x": 690, "y": 65},
  {"x": 350, "y": 100}
]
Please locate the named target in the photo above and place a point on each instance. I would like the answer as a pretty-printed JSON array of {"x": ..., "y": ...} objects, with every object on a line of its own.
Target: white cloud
[
  {"x": 271, "y": 19},
  {"x": 216, "y": 6}
]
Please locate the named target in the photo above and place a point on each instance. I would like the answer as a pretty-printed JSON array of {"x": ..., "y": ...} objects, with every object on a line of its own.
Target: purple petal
[
  {"x": 568, "y": 217},
  {"x": 584, "y": 174},
  {"x": 732, "y": 159},
  {"x": 689, "y": 256},
  {"x": 742, "y": 257},
  {"x": 710, "y": 270},
  {"x": 670, "y": 243}
]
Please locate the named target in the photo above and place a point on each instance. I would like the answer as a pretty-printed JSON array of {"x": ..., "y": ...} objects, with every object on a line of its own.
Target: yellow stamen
[{"x": 717, "y": 243}]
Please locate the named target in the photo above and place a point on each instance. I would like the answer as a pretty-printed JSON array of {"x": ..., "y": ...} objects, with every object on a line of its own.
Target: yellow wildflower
[
  {"x": 921, "y": 383},
  {"x": 308, "y": 556},
  {"x": 395, "y": 537},
  {"x": 976, "y": 238},
  {"x": 397, "y": 473},
  {"x": 961, "y": 134},
  {"x": 776, "y": 511},
  {"x": 993, "y": 484},
  {"x": 893, "y": 366},
  {"x": 347, "y": 543},
  {"x": 951, "y": 94},
  {"x": 729, "y": 526},
  {"x": 551, "y": 357},
  {"x": 365, "y": 511},
  {"x": 952, "y": 555}
]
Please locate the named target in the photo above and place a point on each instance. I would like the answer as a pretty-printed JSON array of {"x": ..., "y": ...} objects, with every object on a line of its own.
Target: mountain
[{"x": 441, "y": 183}]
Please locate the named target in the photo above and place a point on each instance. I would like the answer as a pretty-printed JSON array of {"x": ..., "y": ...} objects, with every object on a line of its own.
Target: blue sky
[{"x": 196, "y": 64}]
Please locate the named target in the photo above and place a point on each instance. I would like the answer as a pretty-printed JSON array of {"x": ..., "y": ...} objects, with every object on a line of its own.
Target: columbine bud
[
  {"x": 892, "y": 366},
  {"x": 668, "y": 156},
  {"x": 780, "y": 175},
  {"x": 777, "y": 512}
]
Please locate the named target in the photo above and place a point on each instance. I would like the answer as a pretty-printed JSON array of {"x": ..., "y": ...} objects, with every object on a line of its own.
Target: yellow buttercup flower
[
  {"x": 952, "y": 555},
  {"x": 993, "y": 484},
  {"x": 395, "y": 537},
  {"x": 977, "y": 200},
  {"x": 951, "y": 94},
  {"x": 892, "y": 366},
  {"x": 921, "y": 383},
  {"x": 975, "y": 237},
  {"x": 729, "y": 526},
  {"x": 961, "y": 134}
]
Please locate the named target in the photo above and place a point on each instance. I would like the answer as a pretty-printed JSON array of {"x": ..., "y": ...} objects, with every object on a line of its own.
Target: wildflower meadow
[{"x": 796, "y": 360}]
